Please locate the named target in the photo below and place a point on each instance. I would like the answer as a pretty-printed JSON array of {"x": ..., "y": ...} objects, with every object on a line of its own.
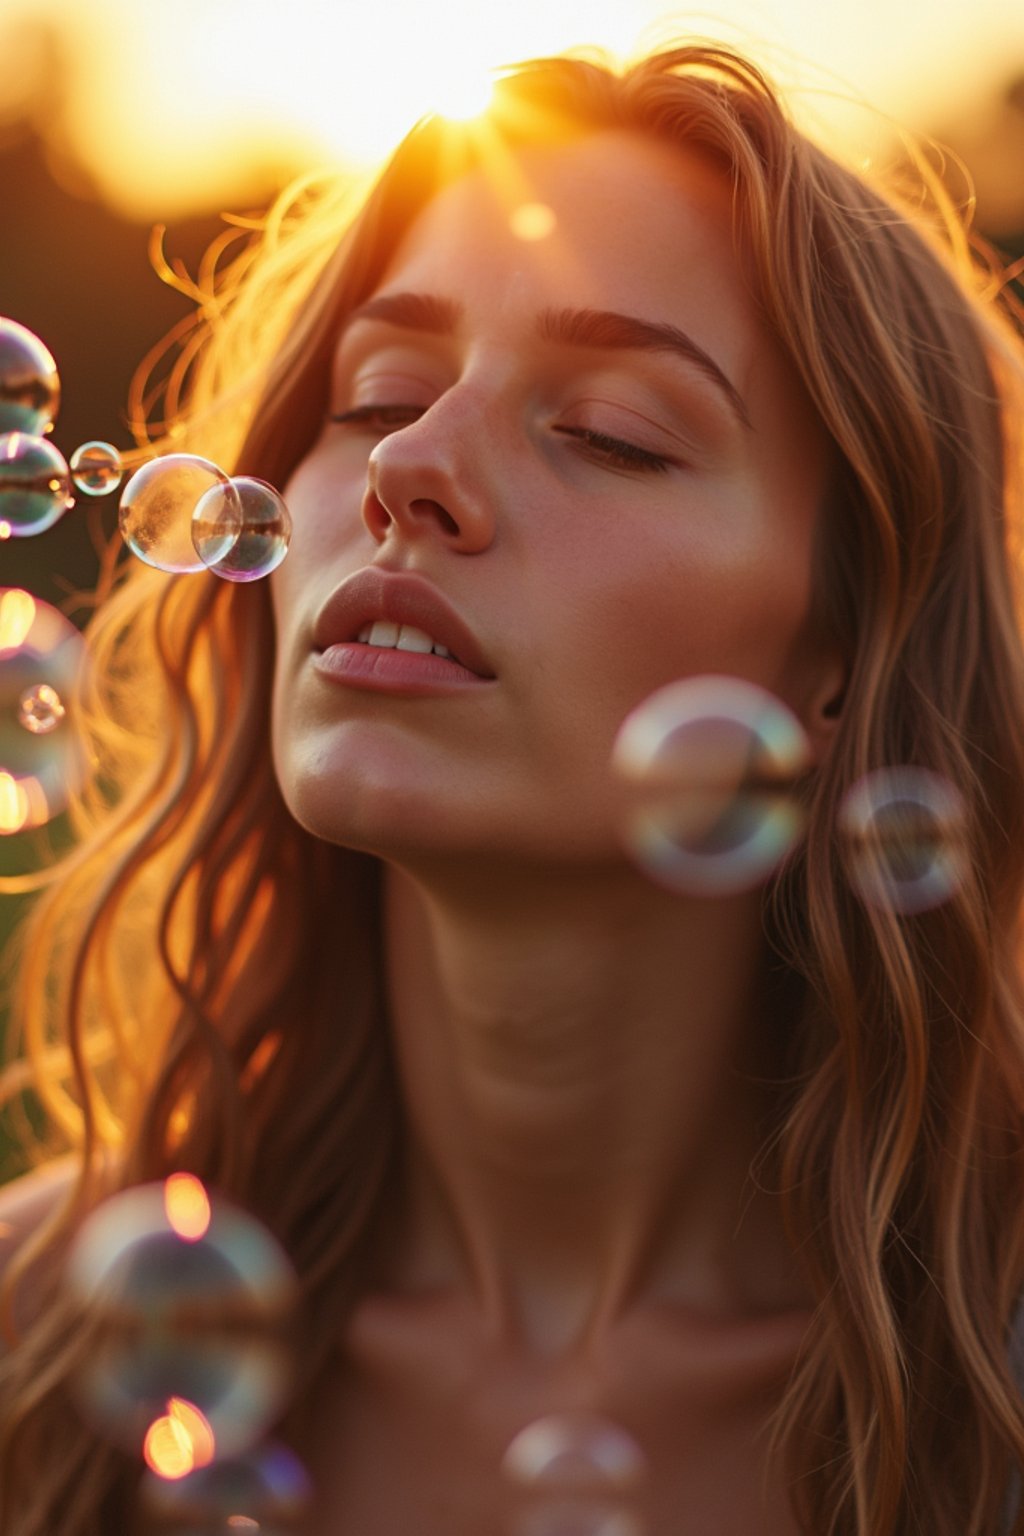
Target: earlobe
[{"x": 825, "y": 709}]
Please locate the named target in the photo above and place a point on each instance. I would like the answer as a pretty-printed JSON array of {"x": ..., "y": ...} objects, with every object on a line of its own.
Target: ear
[{"x": 824, "y": 705}]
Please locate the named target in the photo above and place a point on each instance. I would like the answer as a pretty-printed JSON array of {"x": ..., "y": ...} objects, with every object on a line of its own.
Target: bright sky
[{"x": 168, "y": 98}]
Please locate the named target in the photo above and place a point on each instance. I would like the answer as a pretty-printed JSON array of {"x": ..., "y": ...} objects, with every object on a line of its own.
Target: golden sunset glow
[{"x": 168, "y": 109}]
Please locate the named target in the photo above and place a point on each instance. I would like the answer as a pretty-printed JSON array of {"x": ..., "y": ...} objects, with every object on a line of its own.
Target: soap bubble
[
  {"x": 905, "y": 836},
  {"x": 41, "y": 709},
  {"x": 710, "y": 766},
  {"x": 266, "y": 1491},
  {"x": 262, "y": 542},
  {"x": 157, "y": 507},
  {"x": 29, "y": 386},
  {"x": 183, "y": 1309},
  {"x": 96, "y": 468},
  {"x": 42, "y": 656},
  {"x": 574, "y": 1474},
  {"x": 35, "y": 485}
]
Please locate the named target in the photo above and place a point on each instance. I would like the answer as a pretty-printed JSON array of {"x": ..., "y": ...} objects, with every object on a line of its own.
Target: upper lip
[{"x": 404, "y": 598}]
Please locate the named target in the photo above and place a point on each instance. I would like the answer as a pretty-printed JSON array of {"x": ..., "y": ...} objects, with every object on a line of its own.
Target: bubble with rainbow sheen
[
  {"x": 29, "y": 382},
  {"x": 155, "y": 514},
  {"x": 574, "y": 1472},
  {"x": 43, "y": 759},
  {"x": 709, "y": 768},
  {"x": 904, "y": 832},
  {"x": 35, "y": 485},
  {"x": 266, "y": 1490},
  {"x": 96, "y": 468},
  {"x": 258, "y": 546},
  {"x": 187, "y": 1298}
]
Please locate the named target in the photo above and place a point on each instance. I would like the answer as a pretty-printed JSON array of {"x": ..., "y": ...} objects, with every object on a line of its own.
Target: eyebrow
[{"x": 596, "y": 328}]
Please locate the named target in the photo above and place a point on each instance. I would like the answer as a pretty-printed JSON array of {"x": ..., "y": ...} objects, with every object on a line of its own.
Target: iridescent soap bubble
[
  {"x": 41, "y": 709},
  {"x": 904, "y": 831},
  {"x": 35, "y": 485},
  {"x": 710, "y": 766},
  {"x": 186, "y": 1301},
  {"x": 574, "y": 1474},
  {"x": 29, "y": 386},
  {"x": 96, "y": 468},
  {"x": 42, "y": 658},
  {"x": 262, "y": 542},
  {"x": 157, "y": 508},
  {"x": 265, "y": 1491}
]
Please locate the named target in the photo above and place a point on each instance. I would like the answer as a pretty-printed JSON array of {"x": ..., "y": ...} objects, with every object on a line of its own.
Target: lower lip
[{"x": 383, "y": 670}]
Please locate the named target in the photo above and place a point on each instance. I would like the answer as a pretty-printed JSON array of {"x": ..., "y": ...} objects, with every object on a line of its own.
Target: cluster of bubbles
[
  {"x": 574, "y": 1474},
  {"x": 178, "y": 512},
  {"x": 712, "y": 771},
  {"x": 189, "y": 1302}
]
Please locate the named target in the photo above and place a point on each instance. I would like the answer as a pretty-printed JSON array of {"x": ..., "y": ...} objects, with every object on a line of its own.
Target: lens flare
[{"x": 187, "y": 1206}]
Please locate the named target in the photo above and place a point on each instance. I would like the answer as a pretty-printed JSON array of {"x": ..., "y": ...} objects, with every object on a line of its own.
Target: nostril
[{"x": 434, "y": 509}]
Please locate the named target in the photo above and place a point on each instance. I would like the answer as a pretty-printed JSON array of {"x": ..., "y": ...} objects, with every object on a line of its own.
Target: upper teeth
[{"x": 401, "y": 637}]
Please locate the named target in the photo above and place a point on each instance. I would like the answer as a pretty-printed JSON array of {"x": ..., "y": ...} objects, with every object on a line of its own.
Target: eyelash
[{"x": 613, "y": 449}]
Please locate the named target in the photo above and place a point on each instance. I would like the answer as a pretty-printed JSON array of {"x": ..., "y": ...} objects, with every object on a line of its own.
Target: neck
[{"x": 579, "y": 1058}]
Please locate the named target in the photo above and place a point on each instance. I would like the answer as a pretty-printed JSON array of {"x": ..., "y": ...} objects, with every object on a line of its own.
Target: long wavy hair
[{"x": 182, "y": 994}]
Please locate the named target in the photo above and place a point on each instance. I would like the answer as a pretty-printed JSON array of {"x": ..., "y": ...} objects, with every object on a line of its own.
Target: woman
[{"x": 359, "y": 944}]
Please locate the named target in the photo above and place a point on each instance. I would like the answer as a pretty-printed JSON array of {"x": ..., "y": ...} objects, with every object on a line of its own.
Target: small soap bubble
[
  {"x": 29, "y": 386},
  {"x": 40, "y": 709},
  {"x": 262, "y": 542},
  {"x": 904, "y": 831},
  {"x": 574, "y": 1452},
  {"x": 35, "y": 485},
  {"x": 96, "y": 468},
  {"x": 157, "y": 507},
  {"x": 42, "y": 657},
  {"x": 266, "y": 1490},
  {"x": 710, "y": 766},
  {"x": 182, "y": 1309}
]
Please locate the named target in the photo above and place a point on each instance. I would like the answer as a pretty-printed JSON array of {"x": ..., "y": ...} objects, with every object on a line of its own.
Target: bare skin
[{"x": 582, "y": 1056}]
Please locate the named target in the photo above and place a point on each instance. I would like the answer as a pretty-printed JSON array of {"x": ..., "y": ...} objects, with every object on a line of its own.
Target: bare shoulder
[{"x": 27, "y": 1201}]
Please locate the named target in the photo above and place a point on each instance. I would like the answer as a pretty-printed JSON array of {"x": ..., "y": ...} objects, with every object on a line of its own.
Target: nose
[{"x": 424, "y": 482}]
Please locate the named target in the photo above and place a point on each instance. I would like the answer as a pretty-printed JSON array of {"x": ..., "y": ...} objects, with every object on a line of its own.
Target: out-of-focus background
[{"x": 120, "y": 115}]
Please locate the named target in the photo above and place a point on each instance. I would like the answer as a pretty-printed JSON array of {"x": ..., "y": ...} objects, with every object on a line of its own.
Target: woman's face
[{"x": 589, "y": 449}]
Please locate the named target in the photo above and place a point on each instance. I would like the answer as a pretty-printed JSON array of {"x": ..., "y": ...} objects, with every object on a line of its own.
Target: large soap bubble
[
  {"x": 574, "y": 1474},
  {"x": 190, "y": 1300},
  {"x": 905, "y": 836},
  {"x": 255, "y": 548},
  {"x": 42, "y": 756},
  {"x": 157, "y": 508},
  {"x": 29, "y": 386},
  {"x": 35, "y": 485},
  {"x": 711, "y": 767}
]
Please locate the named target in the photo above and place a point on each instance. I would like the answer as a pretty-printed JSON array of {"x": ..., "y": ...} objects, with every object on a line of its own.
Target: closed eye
[
  {"x": 622, "y": 454},
  {"x": 381, "y": 418}
]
